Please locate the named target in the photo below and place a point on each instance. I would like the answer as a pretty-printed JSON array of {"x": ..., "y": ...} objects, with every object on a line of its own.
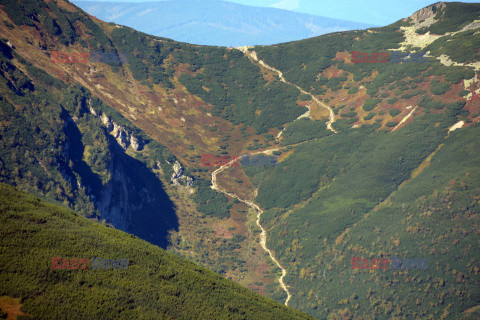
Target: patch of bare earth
[{"x": 11, "y": 307}]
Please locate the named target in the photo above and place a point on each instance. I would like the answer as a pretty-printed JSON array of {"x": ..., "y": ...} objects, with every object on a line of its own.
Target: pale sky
[{"x": 377, "y": 12}]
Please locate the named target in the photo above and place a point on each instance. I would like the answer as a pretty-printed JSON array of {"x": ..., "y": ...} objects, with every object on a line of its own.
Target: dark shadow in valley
[
  {"x": 134, "y": 199},
  {"x": 137, "y": 194},
  {"x": 75, "y": 150}
]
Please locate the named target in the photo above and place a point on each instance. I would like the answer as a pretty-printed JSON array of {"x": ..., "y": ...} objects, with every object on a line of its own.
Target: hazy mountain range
[{"x": 215, "y": 22}]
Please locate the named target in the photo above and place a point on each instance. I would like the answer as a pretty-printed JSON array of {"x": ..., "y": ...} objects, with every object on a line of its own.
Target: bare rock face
[
  {"x": 122, "y": 136},
  {"x": 178, "y": 177},
  {"x": 427, "y": 12},
  {"x": 135, "y": 143},
  {"x": 125, "y": 139},
  {"x": 177, "y": 170}
]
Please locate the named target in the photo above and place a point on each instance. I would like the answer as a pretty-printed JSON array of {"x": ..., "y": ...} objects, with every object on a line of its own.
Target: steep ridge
[{"x": 92, "y": 163}]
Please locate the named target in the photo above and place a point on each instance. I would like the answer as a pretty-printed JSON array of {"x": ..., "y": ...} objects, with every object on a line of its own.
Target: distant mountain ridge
[{"x": 215, "y": 22}]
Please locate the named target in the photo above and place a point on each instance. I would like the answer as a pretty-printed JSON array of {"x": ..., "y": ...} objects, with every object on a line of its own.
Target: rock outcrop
[
  {"x": 178, "y": 177},
  {"x": 427, "y": 12},
  {"x": 123, "y": 137}
]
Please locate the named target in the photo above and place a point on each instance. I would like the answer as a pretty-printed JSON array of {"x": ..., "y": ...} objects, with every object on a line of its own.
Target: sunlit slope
[
  {"x": 395, "y": 182},
  {"x": 360, "y": 208},
  {"x": 376, "y": 90},
  {"x": 186, "y": 97},
  {"x": 392, "y": 119}
]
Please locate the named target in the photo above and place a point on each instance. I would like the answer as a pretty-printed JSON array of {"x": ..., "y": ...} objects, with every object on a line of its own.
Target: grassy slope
[
  {"x": 323, "y": 66},
  {"x": 433, "y": 216},
  {"x": 156, "y": 284}
]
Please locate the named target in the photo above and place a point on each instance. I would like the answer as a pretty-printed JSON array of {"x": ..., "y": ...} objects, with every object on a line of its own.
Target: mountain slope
[
  {"x": 364, "y": 208},
  {"x": 154, "y": 285},
  {"x": 383, "y": 162},
  {"x": 382, "y": 187},
  {"x": 61, "y": 142},
  {"x": 94, "y": 126},
  {"x": 216, "y": 22}
]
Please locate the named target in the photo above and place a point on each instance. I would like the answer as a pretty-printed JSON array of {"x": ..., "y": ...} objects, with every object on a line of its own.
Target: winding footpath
[
  {"x": 252, "y": 54},
  {"x": 215, "y": 186},
  {"x": 263, "y": 234}
]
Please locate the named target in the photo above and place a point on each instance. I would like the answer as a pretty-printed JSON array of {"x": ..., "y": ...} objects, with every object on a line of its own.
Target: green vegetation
[
  {"x": 369, "y": 116},
  {"x": 237, "y": 91},
  {"x": 370, "y": 104},
  {"x": 211, "y": 202},
  {"x": 363, "y": 192},
  {"x": 316, "y": 54},
  {"x": 349, "y": 114},
  {"x": 394, "y": 112},
  {"x": 460, "y": 47},
  {"x": 343, "y": 177},
  {"x": 439, "y": 88},
  {"x": 316, "y": 163},
  {"x": 452, "y": 74},
  {"x": 392, "y": 101},
  {"x": 451, "y": 109},
  {"x": 148, "y": 63},
  {"x": 60, "y": 24},
  {"x": 304, "y": 129},
  {"x": 44, "y": 78},
  {"x": 454, "y": 16},
  {"x": 391, "y": 124},
  {"x": 305, "y": 97},
  {"x": 353, "y": 90},
  {"x": 156, "y": 284}
]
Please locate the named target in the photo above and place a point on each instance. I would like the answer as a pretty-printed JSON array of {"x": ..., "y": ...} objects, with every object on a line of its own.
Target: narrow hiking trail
[
  {"x": 252, "y": 54},
  {"x": 263, "y": 234},
  {"x": 215, "y": 186}
]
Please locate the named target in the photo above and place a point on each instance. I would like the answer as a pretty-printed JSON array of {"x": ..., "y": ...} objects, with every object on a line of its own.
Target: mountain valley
[{"x": 375, "y": 160}]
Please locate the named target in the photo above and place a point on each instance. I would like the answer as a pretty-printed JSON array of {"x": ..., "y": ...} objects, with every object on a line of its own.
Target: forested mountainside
[
  {"x": 152, "y": 284},
  {"x": 375, "y": 133}
]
